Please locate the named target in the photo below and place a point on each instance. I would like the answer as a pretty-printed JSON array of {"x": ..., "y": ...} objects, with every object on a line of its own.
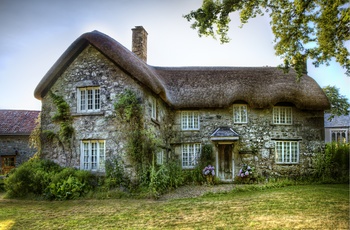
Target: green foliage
[
  {"x": 46, "y": 179},
  {"x": 115, "y": 175},
  {"x": 35, "y": 136},
  {"x": 141, "y": 143},
  {"x": 339, "y": 103},
  {"x": 158, "y": 179},
  {"x": 63, "y": 118},
  {"x": 302, "y": 29},
  {"x": 129, "y": 107},
  {"x": 207, "y": 156},
  {"x": 333, "y": 164},
  {"x": 70, "y": 188}
]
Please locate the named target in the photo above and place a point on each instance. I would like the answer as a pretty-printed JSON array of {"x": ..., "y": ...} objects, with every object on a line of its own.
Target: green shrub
[
  {"x": 115, "y": 175},
  {"x": 333, "y": 163},
  {"x": 70, "y": 188},
  {"x": 47, "y": 179}
]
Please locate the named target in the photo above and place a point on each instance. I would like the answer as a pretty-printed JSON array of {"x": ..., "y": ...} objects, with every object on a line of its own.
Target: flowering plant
[
  {"x": 245, "y": 171},
  {"x": 209, "y": 171}
]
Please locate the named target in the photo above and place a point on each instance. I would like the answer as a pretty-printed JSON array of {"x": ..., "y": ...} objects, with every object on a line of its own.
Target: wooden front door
[
  {"x": 7, "y": 163},
  {"x": 225, "y": 162}
]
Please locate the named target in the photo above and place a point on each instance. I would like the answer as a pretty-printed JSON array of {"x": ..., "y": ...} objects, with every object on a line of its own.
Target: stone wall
[
  {"x": 91, "y": 68},
  {"x": 16, "y": 145},
  {"x": 258, "y": 136}
]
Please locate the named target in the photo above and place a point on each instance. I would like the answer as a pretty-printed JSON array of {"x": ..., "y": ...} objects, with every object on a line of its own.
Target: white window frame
[
  {"x": 154, "y": 108},
  {"x": 93, "y": 155},
  {"x": 88, "y": 99},
  {"x": 287, "y": 152},
  {"x": 190, "y": 154},
  {"x": 190, "y": 120},
  {"x": 160, "y": 157},
  {"x": 282, "y": 115},
  {"x": 338, "y": 134},
  {"x": 240, "y": 113}
]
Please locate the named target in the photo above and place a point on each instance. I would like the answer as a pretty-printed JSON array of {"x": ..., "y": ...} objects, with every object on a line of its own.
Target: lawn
[{"x": 293, "y": 207}]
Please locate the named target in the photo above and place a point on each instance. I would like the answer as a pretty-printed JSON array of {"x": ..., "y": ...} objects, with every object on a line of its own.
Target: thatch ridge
[
  {"x": 113, "y": 50},
  {"x": 260, "y": 87},
  {"x": 198, "y": 87}
]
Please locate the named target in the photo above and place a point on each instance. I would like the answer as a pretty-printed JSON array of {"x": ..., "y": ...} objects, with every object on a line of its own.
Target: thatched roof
[
  {"x": 198, "y": 87},
  {"x": 113, "y": 50},
  {"x": 260, "y": 87}
]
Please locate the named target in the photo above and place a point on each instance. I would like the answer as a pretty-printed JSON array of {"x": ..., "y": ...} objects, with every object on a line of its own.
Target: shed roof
[
  {"x": 17, "y": 122},
  {"x": 198, "y": 87}
]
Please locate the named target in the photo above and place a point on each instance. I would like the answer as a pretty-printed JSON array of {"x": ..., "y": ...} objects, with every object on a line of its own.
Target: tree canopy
[
  {"x": 339, "y": 103},
  {"x": 315, "y": 29}
]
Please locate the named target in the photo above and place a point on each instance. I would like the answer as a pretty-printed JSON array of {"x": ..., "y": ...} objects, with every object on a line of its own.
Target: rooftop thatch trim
[
  {"x": 113, "y": 50},
  {"x": 260, "y": 87},
  {"x": 198, "y": 87}
]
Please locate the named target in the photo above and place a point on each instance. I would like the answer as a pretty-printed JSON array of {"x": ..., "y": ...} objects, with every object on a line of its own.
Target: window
[
  {"x": 282, "y": 115},
  {"x": 287, "y": 152},
  {"x": 190, "y": 154},
  {"x": 93, "y": 155},
  {"x": 160, "y": 157},
  {"x": 189, "y": 120},
  {"x": 89, "y": 99},
  {"x": 339, "y": 135},
  {"x": 240, "y": 113},
  {"x": 154, "y": 108}
]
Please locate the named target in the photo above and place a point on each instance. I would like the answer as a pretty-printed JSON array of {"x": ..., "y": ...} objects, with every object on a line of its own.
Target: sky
[{"x": 34, "y": 34}]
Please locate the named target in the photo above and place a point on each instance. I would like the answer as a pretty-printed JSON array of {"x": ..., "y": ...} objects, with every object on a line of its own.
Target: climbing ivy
[
  {"x": 63, "y": 118},
  {"x": 141, "y": 143}
]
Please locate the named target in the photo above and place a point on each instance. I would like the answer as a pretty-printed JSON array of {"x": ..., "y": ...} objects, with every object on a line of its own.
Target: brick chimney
[{"x": 139, "y": 42}]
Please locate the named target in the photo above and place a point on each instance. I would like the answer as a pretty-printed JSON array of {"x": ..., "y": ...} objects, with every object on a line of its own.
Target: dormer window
[
  {"x": 240, "y": 113},
  {"x": 89, "y": 99},
  {"x": 282, "y": 115}
]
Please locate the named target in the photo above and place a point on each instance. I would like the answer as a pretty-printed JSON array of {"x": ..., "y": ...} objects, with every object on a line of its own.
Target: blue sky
[{"x": 35, "y": 33}]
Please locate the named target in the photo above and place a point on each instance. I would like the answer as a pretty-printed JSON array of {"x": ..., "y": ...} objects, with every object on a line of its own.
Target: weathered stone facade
[
  {"x": 91, "y": 68},
  {"x": 98, "y": 65},
  {"x": 256, "y": 144}
]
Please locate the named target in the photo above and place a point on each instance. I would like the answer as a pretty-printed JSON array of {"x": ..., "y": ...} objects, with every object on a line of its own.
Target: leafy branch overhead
[
  {"x": 312, "y": 29},
  {"x": 339, "y": 103}
]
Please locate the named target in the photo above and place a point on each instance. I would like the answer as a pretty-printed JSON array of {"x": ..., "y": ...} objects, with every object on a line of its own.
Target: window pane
[
  {"x": 97, "y": 99},
  {"x": 86, "y": 155},
  {"x": 82, "y": 100},
  {"x": 102, "y": 155}
]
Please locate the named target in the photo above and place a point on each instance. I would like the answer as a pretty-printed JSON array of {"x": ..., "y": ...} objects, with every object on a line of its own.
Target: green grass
[{"x": 292, "y": 207}]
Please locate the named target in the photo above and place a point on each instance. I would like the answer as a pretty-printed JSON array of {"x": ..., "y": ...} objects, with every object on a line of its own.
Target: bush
[
  {"x": 333, "y": 164},
  {"x": 47, "y": 179}
]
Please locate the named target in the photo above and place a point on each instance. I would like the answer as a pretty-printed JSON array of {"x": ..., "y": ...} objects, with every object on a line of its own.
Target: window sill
[
  {"x": 287, "y": 163},
  {"x": 100, "y": 113}
]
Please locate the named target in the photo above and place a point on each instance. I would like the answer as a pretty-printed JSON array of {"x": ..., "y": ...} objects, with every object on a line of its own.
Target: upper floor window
[
  {"x": 287, "y": 152},
  {"x": 154, "y": 108},
  {"x": 339, "y": 135},
  {"x": 240, "y": 114},
  {"x": 190, "y": 120},
  {"x": 190, "y": 155},
  {"x": 282, "y": 115},
  {"x": 89, "y": 99},
  {"x": 93, "y": 155}
]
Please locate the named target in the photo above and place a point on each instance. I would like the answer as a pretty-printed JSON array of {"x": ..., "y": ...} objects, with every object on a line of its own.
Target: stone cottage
[
  {"x": 254, "y": 115},
  {"x": 15, "y": 129}
]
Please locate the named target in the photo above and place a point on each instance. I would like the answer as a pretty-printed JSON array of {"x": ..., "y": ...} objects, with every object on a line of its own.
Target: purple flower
[{"x": 246, "y": 173}]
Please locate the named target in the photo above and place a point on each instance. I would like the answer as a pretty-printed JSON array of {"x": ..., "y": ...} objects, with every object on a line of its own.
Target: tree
[
  {"x": 339, "y": 103},
  {"x": 316, "y": 29}
]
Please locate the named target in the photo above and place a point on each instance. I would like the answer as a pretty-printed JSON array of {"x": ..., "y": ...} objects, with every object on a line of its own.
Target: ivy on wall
[{"x": 63, "y": 118}]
